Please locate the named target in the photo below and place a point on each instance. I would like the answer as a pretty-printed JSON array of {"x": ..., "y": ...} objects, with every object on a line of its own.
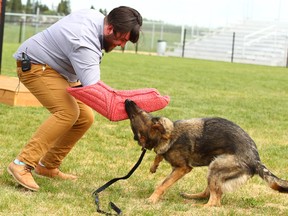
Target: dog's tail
[{"x": 273, "y": 181}]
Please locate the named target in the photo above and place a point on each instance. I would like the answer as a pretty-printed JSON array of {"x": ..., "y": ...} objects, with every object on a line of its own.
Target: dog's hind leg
[
  {"x": 203, "y": 195},
  {"x": 226, "y": 173},
  {"x": 175, "y": 175}
]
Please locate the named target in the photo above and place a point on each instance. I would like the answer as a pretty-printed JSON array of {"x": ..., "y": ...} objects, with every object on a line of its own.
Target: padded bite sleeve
[{"x": 110, "y": 103}]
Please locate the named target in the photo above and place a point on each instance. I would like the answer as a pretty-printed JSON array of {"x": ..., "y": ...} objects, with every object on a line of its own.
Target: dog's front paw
[
  {"x": 153, "y": 199},
  {"x": 153, "y": 169}
]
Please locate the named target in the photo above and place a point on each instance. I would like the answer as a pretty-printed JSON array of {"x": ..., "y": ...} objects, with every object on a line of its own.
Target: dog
[{"x": 229, "y": 152}]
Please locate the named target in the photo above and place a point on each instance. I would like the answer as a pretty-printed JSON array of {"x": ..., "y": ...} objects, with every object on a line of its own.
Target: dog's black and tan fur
[{"x": 228, "y": 151}]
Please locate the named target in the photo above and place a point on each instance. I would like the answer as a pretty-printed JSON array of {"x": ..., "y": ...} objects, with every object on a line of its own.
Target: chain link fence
[
  {"x": 19, "y": 27},
  {"x": 250, "y": 42}
]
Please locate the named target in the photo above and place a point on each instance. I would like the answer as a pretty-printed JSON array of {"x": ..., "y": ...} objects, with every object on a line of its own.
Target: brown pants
[{"x": 68, "y": 122}]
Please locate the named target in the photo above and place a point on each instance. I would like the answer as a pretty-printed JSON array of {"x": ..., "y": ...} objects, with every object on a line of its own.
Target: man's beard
[{"x": 108, "y": 43}]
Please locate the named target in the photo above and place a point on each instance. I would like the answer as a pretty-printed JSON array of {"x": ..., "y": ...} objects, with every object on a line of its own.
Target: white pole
[
  {"x": 37, "y": 20},
  {"x": 182, "y": 34},
  {"x": 161, "y": 33},
  {"x": 152, "y": 37}
]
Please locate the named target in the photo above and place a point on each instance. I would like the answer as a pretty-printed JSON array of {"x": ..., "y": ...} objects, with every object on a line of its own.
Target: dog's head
[{"x": 150, "y": 132}]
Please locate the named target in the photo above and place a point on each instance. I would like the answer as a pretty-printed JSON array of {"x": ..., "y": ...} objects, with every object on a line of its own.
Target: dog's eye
[{"x": 132, "y": 117}]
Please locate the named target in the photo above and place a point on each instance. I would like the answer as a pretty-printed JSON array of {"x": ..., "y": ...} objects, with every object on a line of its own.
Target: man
[{"x": 66, "y": 54}]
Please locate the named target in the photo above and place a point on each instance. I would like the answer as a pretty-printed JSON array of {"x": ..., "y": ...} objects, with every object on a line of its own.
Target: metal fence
[
  {"x": 19, "y": 27},
  {"x": 253, "y": 42}
]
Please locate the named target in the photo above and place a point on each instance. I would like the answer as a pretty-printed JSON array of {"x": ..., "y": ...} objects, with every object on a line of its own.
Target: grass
[{"x": 255, "y": 97}]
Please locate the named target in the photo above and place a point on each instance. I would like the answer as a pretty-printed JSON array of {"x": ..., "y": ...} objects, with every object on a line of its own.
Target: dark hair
[{"x": 125, "y": 19}]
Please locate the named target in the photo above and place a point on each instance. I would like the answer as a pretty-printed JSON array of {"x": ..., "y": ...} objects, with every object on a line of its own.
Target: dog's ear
[
  {"x": 163, "y": 125},
  {"x": 157, "y": 125}
]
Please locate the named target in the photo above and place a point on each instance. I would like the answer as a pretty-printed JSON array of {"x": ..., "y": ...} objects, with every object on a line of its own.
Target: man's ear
[{"x": 108, "y": 29}]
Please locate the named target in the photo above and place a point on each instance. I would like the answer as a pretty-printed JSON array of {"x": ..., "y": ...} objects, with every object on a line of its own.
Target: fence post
[
  {"x": 287, "y": 59},
  {"x": 152, "y": 36},
  {"x": 184, "y": 39},
  {"x": 2, "y": 22},
  {"x": 233, "y": 45},
  {"x": 20, "y": 31},
  {"x": 136, "y": 48}
]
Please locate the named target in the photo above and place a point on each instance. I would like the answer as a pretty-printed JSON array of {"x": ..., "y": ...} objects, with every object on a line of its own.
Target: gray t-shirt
[{"x": 72, "y": 46}]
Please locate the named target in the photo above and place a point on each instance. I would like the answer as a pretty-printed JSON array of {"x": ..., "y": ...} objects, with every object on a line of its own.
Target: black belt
[{"x": 18, "y": 63}]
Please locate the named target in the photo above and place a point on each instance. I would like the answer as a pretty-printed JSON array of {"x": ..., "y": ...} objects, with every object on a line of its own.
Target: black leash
[{"x": 103, "y": 187}]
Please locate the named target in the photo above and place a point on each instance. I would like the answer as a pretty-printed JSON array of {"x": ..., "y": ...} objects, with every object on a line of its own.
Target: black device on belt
[{"x": 25, "y": 62}]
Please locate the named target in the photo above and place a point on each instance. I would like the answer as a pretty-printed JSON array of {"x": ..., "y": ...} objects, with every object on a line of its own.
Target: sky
[{"x": 208, "y": 13}]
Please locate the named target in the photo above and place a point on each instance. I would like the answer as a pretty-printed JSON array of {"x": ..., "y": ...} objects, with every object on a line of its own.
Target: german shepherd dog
[{"x": 228, "y": 151}]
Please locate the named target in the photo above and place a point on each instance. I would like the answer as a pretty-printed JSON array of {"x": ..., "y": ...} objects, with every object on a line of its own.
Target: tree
[
  {"x": 44, "y": 9},
  {"x": 29, "y": 7},
  {"x": 8, "y": 6},
  {"x": 15, "y": 6},
  {"x": 103, "y": 11},
  {"x": 64, "y": 7}
]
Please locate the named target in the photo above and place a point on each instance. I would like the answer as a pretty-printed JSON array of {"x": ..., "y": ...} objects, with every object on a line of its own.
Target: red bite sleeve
[{"x": 110, "y": 102}]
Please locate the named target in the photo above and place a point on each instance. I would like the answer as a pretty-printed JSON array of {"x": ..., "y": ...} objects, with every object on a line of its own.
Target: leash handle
[
  {"x": 111, "y": 205},
  {"x": 115, "y": 208},
  {"x": 103, "y": 187}
]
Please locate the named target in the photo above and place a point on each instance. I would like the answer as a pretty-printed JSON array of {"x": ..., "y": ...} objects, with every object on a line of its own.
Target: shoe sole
[
  {"x": 55, "y": 177},
  {"x": 25, "y": 186},
  {"x": 39, "y": 175}
]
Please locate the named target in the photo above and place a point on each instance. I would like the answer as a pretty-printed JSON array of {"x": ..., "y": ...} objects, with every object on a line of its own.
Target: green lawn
[{"x": 255, "y": 97}]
